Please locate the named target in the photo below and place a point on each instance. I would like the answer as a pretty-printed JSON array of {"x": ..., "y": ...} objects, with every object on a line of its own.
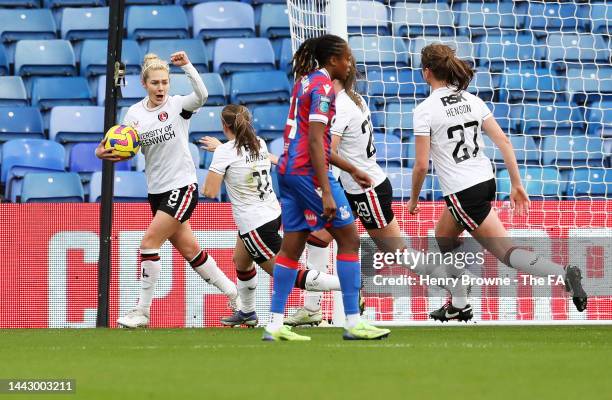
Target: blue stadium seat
[
  {"x": 20, "y": 3},
  {"x": 528, "y": 84},
  {"x": 506, "y": 115},
  {"x": 269, "y": 120},
  {"x": 509, "y": 50},
  {"x": 388, "y": 150},
  {"x": 276, "y": 146},
  {"x": 589, "y": 84},
  {"x": 414, "y": 20},
  {"x": 599, "y": 119},
  {"x": 157, "y": 22},
  {"x": 552, "y": 119},
  {"x": 4, "y": 65},
  {"x": 19, "y": 24},
  {"x": 76, "y": 124},
  {"x": 206, "y": 122},
  {"x": 385, "y": 86},
  {"x": 600, "y": 17},
  {"x": 21, "y": 156},
  {"x": 525, "y": 150},
  {"x": 401, "y": 181},
  {"x": 259, "y": 87},
  {"x": 367, "y": 17},
  {"x": 485, "y": 18},
  {"x": 274, "y": 21},
  {"x": 73, "y": 3},
  {"x": 399, "y": 119},
  {"x": 243, "y": 54},
  {"x": 223, "y": 19},
  {"x": 131, "y": 93},
  {"x": 577, "y": 50},
  {"x": 546, "y": 17},
  {"x": 46, "y": 187},
  {"x": 54, "y": 91},
  {"x": 44, "y": 57},
  {"x": 432, "y": 189},
  {"x": 129, "y": 186},
  {"x": 193, "y": 47},
  {"x": 83, "y": 161},
  {"x": 216, "y": 89},
  {"x": 20, "y": 123},
  {"x": 148, "y": 2},
  {"x": 464, "y": 49},
  {"x": 539, "y": 182},
  {"x": 572, "y": 151},
  {"x": 286, "y": 56},
  {"x": 93, "y": 57},
  {"x": 84, "y": 23},
  {"x": 483, "y": 84},
  {"x": 590, "y": 183},
  {"x": 179, "y": 85},
  {"x": 378, "y": 50},
  {"x": 12, "y": 91}
]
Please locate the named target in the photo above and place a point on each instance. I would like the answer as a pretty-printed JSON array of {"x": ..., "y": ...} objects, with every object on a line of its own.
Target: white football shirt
[
  {"x": 249, "y": 185},
  {"x": 164, "y": 136},
  {"x": 454, "y": 120},
  {"x": 354, "y": 125}
]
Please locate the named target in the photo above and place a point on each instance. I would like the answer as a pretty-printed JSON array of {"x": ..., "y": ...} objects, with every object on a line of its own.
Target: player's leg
[
  {"x": 203, "y": 263},
  {"x": 493, "y": 236},
  {"x": 246, "y": 284},
  {"x": 447, "y": 232},
  {"x": 160, "y": 229},
  {"x": 317, "y": 255}
]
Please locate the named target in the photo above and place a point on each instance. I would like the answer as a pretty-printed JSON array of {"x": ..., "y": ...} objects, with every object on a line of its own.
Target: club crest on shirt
[
  {"x": 162, "y": 116},
  {"x": 324, "y": 104},
  {"x": 344, "y": 213},
  {"x": 311, "y": 217}
]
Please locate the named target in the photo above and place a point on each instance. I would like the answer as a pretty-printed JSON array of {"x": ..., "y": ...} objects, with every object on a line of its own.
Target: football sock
[
  {"x": 207, "y": 268},
  {"x": 349, "y": 274},
  {"x": 247, "y": 283},
  {"x": 316, "y": 260},
  {"x": 285, "y": 273},
  {"x": 150, "y": 267},
  {"x": 528, "y": 261}
]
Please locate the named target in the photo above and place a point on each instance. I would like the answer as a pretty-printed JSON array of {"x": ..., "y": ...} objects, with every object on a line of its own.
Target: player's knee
[
  {"x": 150, "y": 241},
  {"x": 348, "y": 243},
  {"x": 448, "y": 244}
]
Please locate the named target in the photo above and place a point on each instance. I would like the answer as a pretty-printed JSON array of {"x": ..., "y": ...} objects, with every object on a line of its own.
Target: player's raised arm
[
  {"x": 519, "y": 200},
  {"x": 199, "y": 95}
]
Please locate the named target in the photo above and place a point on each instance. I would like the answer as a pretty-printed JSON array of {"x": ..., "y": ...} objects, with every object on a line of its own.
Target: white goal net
[{"x": 544, "y": 70}]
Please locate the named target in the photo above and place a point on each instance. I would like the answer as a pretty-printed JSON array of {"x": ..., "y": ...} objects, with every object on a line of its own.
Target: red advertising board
[{"x": 48, "y": 268}]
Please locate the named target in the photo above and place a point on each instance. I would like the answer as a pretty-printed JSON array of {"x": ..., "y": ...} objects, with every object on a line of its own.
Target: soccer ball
[{"x": 123, "y": 140}]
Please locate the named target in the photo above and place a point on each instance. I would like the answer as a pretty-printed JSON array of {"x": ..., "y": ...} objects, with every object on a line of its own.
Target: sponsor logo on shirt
[
  {"x": 327, "y": 88},
  {"x": 311, "y": 217},
  {"x": 162, "y": 116}
]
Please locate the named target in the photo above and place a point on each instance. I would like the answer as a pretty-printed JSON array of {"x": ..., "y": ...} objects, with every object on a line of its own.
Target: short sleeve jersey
[
  {"x": 354, "y": 125},
  {"x": 312, "y": 100},
  {"x": 249, "y": 185},
  {"x": 453, "y": 120},
  {"x": 164, "y": 140}
]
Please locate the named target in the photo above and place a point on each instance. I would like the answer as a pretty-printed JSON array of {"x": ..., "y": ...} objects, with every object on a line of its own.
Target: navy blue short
[{"x": 302, "y": 205}]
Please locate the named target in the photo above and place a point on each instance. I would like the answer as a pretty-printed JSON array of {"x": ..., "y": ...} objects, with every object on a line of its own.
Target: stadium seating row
[
  {"x": 67, "y": 124},
  {"x": 215, "y": 19},
  {"x": 558, "y": 52}
]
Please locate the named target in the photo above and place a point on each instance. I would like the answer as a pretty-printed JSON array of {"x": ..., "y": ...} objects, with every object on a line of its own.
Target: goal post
[{"x": 544, "y": 70}]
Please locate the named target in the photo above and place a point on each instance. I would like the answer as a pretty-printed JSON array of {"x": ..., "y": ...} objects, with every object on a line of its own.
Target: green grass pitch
[{"x": 413, "y": 363}]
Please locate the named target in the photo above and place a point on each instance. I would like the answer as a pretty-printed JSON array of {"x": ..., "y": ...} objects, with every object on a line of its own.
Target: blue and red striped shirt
[{"x": 312, "y": 99}]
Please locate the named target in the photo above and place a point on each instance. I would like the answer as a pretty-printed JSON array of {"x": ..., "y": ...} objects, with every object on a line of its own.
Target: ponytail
[
  {"x": 238, "y": 119},
  {"x": 445, "y": 66},
  {"x": 350, "y": 84}
]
